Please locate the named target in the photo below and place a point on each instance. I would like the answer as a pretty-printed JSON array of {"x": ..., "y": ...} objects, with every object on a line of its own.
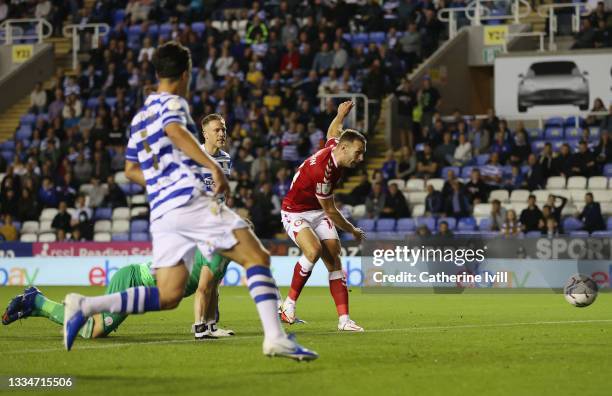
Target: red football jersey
[{"x": 314, "y": 180}]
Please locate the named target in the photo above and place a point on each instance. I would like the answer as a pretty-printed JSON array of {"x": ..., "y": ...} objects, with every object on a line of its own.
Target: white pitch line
[{"x": 399, "y": 329}]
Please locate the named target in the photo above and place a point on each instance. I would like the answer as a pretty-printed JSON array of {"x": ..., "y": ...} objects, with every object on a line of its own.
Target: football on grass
[{"x": 580, "y": 290}]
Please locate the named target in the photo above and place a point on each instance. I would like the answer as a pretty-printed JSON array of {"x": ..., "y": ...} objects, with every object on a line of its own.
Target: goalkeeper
[{"x": 203, "y": 281}]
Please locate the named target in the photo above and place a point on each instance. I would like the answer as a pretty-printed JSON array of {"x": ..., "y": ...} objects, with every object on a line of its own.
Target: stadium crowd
[{"x": 263, "y": 66}]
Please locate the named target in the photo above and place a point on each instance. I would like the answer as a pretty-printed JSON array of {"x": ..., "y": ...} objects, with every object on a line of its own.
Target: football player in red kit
[{"x": 310, "y": 216}]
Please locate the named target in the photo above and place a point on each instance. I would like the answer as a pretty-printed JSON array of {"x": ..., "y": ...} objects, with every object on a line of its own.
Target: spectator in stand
[
  {"x": 520, "y": 149},
  {"x": 340, "y": 58},
  {"x": 585, "y": 38},
  {"x": 583, "y": 162},
  {"x": 546, "y": 160},
  {"x": 359, "y": 193},
  {"x": 395, "y": 205},
  {"x": 501, "y": 147},
  {"x": 498, "y": 215},
  {"x": 389, "y": 167},
  {"x": 476, "y": 189},
  {"x": 8, "y": 230},
  {"x": 47, "y": 194},
  {"x": 458, "y": 203},
  {"x": 82, "y": 170},
  {"x": 479, "y": 137},
  {"x": 463, "y": 152},
  {"x": 375, "y": 202},
  {"x": 591, "y": 215},
  {"x": 427, "y": 166},
  {"x": 115, "y": 197},
  {"x": 443, "y": 229},
  {"x": 434, "y": 202},
  {"x": 423, "y": 231},
  {"x": 492, "y": 172},
  {"x": 445, "y": 152},
  {"x": 406, "y": 101},
  {"x": 38, "y": 99},
  {"x": 515, "y": 180},
  {"x": 62, "y": 219},
  {"x": 323, "y": 60},
  {"x": 97, "y": 193},
  {"x": 535, "y": 178},
  {"x": 406, "y": 166},
  {"x": 562, "y": 162},
  {"x": 283, "y": 182},
  {"x": 446, "y": 188},
  {"x": 603, "y": 151},
  {"x": 410, "y": 44},
  {"x": 551, "y": 229},
  {"x": 29, "y": 206},
  {"x": 82, "y": 218},
  {"x": 57, "y": 106},
  {"x": 556, "y": 210},
  {"x": 531, "y": 216},
  {"x": 511, "y": 226},
  {"x": 429, "y": 100}
]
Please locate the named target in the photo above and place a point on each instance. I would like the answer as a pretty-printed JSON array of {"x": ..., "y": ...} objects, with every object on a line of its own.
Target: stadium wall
[{"x": 19, "y": 73}]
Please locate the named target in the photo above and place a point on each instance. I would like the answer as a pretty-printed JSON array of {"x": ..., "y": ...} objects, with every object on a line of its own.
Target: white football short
[
  {"x": 322, "y": 225},
  {"x": 200, "y": 224}
]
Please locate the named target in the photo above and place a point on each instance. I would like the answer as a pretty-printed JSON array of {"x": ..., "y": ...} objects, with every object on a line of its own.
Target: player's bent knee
[
  {"x": 312, "y": 251},
  {"x": 170, "y": 299}
]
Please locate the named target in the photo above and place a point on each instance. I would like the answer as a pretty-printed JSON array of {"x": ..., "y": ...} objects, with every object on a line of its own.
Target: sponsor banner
[
  {"x": 552, "y": 85},
  {"x": 15, "y": 249},
  {"x": 79, "y": 249},
  {"x": 97, "y": 271},
  {"x": 494, "y": 273}
]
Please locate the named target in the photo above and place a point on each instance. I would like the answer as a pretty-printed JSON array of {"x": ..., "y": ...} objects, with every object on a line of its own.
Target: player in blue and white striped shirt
[{"x": 164, "y": 155}]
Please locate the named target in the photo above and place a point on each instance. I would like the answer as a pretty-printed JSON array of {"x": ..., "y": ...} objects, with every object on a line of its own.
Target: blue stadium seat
[
  {"x": 573, "y": 143},
  {"x": 451, "y": 221},
  {"x": 345, "y": 236},
  {"x": 139, "y": 236},
  {"x": 484, "y": 224},
  {"x": 572, "y": 224},
  {"x": 385, "y": 225},
  {"x": 139, "y": 226},
  {"x": 609, "y": 225},
  {"x": 537, "y": 146},
  {"x": 555, "y": 121},
  {"x": 573, "y": 133},
  {"x": 556, "y": 145},
  {"x": 405, "y": 225},
  {"x": 359, "y": 38},
  {"x": 554, "y": 133},
  {"x": 605, "y": 234},
  {"x": 153, "y": 30},
  {"x": 571, "y": 122},
  {"x": 607, "y": 171},
  {"x": 111, "y": 102},
  {"x": 165, "y": 30},
  {"x": 24, "y": 132},
  {"x": 579, "y": 233},
  {"x": 429, "y": 222},
  {"x": 377, "y": 37},
  {"x": 8, "y": 156},
  {"x": 198, "y": 28},
  {"x": 468, "y": 234},
  {"x": 43, "y": 116},
  {"x": 533, "y": 234},
  {"x": 103, "y": 214},
  {"x": 29, "y": 119},
  {"x": 594, "y": 132},
  {"x": 92, "y": 103},
  {"x": 535, "y": 133},
  {"x": 134, "y": 30},
  {"x": 367, "y": 225},
  {"x": 118, "y": 16},
  {"x": 482, "y": 159},
  {"x": 121, "y": 237},
  {"x": 8, "y": 145},
  {"x": 389, "y": 236},
  {"x": 445, "y": 170},
  {"x": 466, "y": 171},
  {"x": 466, "y": 224}
]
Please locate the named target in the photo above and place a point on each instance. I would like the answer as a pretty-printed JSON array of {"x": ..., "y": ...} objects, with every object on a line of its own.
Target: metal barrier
[
  {"x": 74, "y": 32},
  {"x": 477, "y": 11},
  {"x": 353, "y": 115},
  {"x": 13, "y": 30},
  {"x": 548, "y": 10},
  {"x": 525, "y": 34}
]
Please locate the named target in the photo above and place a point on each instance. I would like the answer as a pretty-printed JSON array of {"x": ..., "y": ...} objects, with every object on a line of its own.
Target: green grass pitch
[{"x": 421, "y": 344}]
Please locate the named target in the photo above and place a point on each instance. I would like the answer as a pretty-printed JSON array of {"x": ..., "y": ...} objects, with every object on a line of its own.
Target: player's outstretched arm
[
  {"x": 185, "y": 141},
  {"x": 134, "y": 173},
  {"x": 335, "y": 128},
  {"x": 329, "y": 206}
]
